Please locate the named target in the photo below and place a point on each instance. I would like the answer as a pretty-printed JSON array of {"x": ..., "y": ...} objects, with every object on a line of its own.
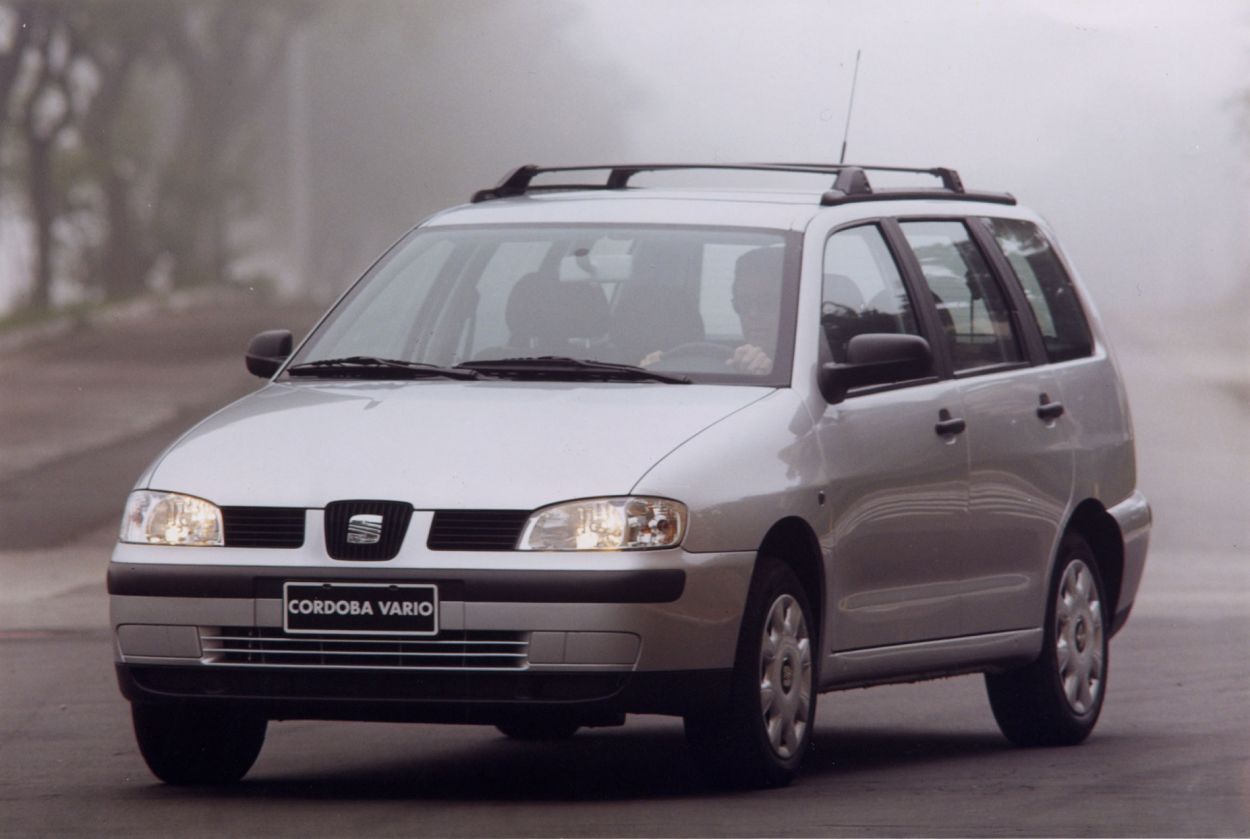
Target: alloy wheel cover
[
  {"x": 1080, "y": 642},
  {"x": 785, "y": 668}
]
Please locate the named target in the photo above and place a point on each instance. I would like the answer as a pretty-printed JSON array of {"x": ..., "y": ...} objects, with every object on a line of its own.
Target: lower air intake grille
[
  {"x": 353, "y": 529},
  {"x": 476, "y": 530},
  {"x": 263, "y": 527},
  {"x": 271, "y": 647}
]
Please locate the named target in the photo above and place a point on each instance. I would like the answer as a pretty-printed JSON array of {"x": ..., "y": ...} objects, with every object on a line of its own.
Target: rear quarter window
[{"x": 1047, "y": 287}]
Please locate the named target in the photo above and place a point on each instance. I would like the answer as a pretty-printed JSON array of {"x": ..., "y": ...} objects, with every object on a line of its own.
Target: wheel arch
[
  {"x": 1091, "y": 521},
  {"x": 793, "y": 542}
]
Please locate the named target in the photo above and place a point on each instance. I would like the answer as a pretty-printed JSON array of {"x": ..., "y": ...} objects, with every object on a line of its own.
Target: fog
[
  {"x": 1123, "y": 123},
  {"x": 1118, "y": 121}
]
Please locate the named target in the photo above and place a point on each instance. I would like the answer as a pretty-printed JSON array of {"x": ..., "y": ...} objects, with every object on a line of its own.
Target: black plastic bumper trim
[
  {"x": 658, "y": 585},
  {"x": 424, "y": 697}
]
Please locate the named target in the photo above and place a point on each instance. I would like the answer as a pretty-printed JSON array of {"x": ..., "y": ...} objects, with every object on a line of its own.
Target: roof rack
[{"x": 850, "y": 181}]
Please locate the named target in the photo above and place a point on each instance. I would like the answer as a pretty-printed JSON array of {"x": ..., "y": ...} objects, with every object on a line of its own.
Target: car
[{"x": 583, "y": 448}]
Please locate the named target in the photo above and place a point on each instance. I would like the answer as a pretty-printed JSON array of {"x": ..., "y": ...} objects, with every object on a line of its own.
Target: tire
[
  {"x": 759, "y": 737},
  {"x": 538, "y": 729},
  {"x": 1056, "y": 700},
  {"x": 187, "y": 744}
]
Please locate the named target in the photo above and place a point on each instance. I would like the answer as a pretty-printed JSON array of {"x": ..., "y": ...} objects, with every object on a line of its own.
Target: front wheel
[
  {"x": 186, "y": 744},
  {"x": 1056, "y": 700},
  {"x": 538, "y": 728},
  {"x": 760, "y": 737}
]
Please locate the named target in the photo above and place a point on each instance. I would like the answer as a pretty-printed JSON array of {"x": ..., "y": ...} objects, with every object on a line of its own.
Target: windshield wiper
[
  {"x": 562, "y": 367},
  {"x": 368, "y": 366}
]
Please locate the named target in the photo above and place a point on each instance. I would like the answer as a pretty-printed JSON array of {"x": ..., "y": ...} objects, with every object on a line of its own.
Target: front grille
[
  {"x": 271, "y": 647},
  {"x": 395, "y": 516},
  {"x": 263, "y": 527},
  {"x": 476, "y": 530}
]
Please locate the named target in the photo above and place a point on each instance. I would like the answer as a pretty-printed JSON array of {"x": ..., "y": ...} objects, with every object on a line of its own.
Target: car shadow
[
  {"x": 597, "y": 765},
  {"x": 849, "y": 752}
]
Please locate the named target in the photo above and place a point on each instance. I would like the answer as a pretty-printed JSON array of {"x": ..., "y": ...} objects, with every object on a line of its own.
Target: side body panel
[
  {"x": 1020, "y": 489},
  {"x": 1093, "y": 392}
]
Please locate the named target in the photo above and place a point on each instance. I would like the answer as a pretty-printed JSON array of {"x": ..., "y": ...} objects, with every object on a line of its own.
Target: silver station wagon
[{"x": 584, "y": 448}]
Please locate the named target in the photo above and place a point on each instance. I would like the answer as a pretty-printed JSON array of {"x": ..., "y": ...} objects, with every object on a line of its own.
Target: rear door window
[
  {"x": 1047, "y": 287},
  {"x": 972, "y": 308}
]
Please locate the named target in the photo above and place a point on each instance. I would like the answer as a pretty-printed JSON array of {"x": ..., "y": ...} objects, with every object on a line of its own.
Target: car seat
[
  {"x": 651, "y": 315},
  {"x": 549, "y": 316}
]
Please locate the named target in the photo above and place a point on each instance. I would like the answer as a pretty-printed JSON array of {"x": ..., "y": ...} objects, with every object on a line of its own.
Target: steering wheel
[
  {"x": 838, "y": 310},
  {"x": 703, "y": 350}
]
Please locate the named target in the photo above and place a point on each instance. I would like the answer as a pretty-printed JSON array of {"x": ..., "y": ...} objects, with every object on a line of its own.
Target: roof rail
[{"x": 850, "y": 185}]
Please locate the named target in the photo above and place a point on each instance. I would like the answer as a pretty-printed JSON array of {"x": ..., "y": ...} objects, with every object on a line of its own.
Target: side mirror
[
  {"x": 267, "y": 351},
  {"x": 876, "y": 359}
]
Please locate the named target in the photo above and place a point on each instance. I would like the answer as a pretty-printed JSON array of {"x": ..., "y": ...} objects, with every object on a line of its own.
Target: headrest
[
  {"x": 762, "y": 263},
  {"x": 543, "y": 307}
]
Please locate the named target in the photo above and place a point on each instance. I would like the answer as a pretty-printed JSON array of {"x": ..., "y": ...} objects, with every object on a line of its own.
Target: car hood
[{"x": 439, "y": 444}]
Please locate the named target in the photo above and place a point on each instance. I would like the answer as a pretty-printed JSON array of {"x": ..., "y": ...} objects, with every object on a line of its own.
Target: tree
[
  {"x": 15, "y": 32},
  {"x": 91, "y": 138},
  {"x": 116, "y": 40},
  {"x": 226, "y": 54},
  {"x": 63, "y": 85},
  {"x": 150, "y": 134},
  {"x": 42, "y": 113},
  {"x": 413, "y": 105}
]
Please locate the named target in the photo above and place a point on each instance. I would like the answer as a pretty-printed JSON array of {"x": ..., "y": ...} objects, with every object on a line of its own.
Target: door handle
[
  {"x": 1047, "y": 410},
  {"x": 948, "y": 425}
]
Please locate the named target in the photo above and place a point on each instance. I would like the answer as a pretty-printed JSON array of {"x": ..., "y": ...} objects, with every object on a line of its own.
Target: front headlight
[
  {"x": 606, "y": 524},
  {"x": 168, "y": 518}
]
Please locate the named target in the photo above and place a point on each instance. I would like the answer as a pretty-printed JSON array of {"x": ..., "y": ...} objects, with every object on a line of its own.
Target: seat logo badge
[{"x": 364, "y": 529}]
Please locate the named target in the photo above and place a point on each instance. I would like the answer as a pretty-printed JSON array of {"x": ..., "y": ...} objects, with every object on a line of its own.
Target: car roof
[
  {"x": 517, "y": 199},
  {"x": 777, "y": 210},
  {"x": 699, "y": 207}
]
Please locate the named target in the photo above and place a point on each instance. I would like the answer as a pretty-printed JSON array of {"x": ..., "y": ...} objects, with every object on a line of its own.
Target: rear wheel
[
  {"x": 760, "y": 737},
  {"x": 1056, "y": 700},
  {"x": 186, "y": 744}
]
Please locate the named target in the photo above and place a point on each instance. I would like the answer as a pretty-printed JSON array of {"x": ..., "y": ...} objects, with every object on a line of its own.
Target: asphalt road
[{"x": 1171, "y": 756}]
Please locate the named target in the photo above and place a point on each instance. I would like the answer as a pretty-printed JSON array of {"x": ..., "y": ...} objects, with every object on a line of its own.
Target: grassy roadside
[
  {"x": 32, "y": 327},
  {"x": 25, "y": 318}
]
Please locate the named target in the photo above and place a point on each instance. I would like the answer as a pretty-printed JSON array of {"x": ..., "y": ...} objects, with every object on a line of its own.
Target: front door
[{"x": 898, "y": 488}]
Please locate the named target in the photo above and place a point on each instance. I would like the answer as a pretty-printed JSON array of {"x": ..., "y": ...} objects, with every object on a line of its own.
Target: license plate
[{"x": 360, "y": 608}]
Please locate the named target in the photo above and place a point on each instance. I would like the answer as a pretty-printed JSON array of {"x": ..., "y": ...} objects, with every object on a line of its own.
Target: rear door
[{"x": 1019, "y": 443}]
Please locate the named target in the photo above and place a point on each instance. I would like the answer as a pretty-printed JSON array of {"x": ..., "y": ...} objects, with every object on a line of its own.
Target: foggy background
[{"x": 284, "y": 144}]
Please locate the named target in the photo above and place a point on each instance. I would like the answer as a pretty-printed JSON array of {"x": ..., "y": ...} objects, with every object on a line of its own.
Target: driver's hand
[
  {"x": 651, "y": 358},
  {"x": 750, "y": 359}
]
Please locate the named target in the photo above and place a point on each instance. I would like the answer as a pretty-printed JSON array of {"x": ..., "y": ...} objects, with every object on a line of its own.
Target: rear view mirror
[
  {"x": 876, "y": 359},
  {"x": 267, "y": 351}
]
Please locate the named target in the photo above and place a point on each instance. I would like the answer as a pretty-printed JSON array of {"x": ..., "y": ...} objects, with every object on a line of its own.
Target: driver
[{"x": 757, "y": 302}]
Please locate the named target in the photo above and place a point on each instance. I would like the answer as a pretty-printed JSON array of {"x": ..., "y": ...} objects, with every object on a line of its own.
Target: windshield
[{"x": 710, "y": 305}]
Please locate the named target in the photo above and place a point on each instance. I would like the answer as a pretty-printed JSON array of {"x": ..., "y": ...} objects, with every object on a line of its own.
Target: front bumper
[
  {"x": 652, "y": 632},
  {"x": 441, "y": 697}
]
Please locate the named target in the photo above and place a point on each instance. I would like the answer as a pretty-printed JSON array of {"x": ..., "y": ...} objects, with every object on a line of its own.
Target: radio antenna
[{"x": 850, "y": 106}]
